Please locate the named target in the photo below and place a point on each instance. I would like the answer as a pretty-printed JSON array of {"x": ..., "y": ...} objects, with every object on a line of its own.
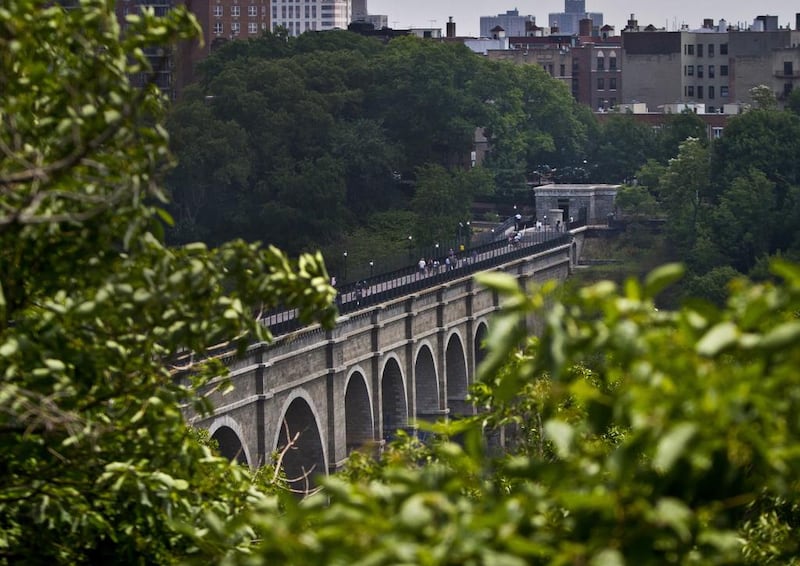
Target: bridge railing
[{"x": 398, "y": 283}]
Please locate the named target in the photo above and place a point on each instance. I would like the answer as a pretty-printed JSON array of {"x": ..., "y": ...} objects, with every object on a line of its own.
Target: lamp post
[
  {"x": 410, "y": 249},
  {"x": 545, "y": 224},
  {"x": 371, "y": 266},
  {"x": 345, "y": 265}
]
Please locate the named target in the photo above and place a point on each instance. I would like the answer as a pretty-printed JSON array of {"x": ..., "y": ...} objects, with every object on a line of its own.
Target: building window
[
  {"x": 723, "y": 48},
  {"x": 787, "y": 89},
  {"x": 601, "y": 64},
  {"x": 562, "y": 69},
  {"x": 308, "y": 11},
  {"x": 723, "y": 70},
  {"x": 716, "y": 132},
  {"x": 699, "y": 49},
  {"x": 218, "y": 29},
  {"x": 788, "y": 68},
  {"x": 710, "y": 49},
  {"x": 601, "y": 84},
  {"x": 711, "y": 71},
  {"x": 699, "y": 71},
  {"x": 690, "y": 70},
  {"x": 274, "y": 12},
  {"x": 235, "y": 11},
  {"x": 723, "y": 91},
  {"x": 700, "y": 91},
  {"x": 612, "y": 83},
  {"x": 252, "y": 11},
  {"x": 283, "y": 12},
  {"x": 711, "y": 92},
  {"x": 217, "y": 11},
  {"x": 689, "y": 49},
  {"x": 690, "y": 90},
  {"x": 612, "y": 64},
  {"x": 252, "y": 27},
  {"x": 234, "y": 28}
]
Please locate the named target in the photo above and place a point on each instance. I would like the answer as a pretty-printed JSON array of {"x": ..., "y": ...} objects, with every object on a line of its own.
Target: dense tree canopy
[{"x": 370, "y": 115}]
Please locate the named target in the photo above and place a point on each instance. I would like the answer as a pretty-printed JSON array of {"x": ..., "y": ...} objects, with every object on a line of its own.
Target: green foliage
[
  {"x": 97, "y": 463},
  {"x": 682, "y": 187},
  {"x": 623, "y": 147},
  {"x": 636, "y": 436},
  {"x": 677, "y": 129},
  {"x": 297, "y": 141}
]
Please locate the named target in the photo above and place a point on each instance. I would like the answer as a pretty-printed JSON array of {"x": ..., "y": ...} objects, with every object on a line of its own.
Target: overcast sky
[{"x": 669, "y": 14}]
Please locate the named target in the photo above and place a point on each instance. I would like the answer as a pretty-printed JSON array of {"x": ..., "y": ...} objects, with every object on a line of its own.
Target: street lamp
[
  {"x": 345, "y": 265},
  {"x": 371, "y": 266}
]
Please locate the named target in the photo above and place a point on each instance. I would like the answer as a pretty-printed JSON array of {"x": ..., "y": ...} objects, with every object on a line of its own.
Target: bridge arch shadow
[
  {"x": 479, "y": 346},
  {"x": 305, "y": 459},
  {"x": 457, "y": 377},
  {"x": 426, "y": 385},
  {"x": 359, "y": 419},
  {"x": 229, "y": 436},
  {"x": 394, "y": 407}
]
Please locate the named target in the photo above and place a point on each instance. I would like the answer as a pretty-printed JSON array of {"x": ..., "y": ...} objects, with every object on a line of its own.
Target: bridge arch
[
  {"x": 456, "y": 375},
  {"x": 307, "y": 458},
  {"x": 394, "y": 401},
  {"x": 426, "y": 383},
  {"x": 228, "y": 435},
  {"x": 359, "y": 416},
  {"x": 481, "y": 332}
]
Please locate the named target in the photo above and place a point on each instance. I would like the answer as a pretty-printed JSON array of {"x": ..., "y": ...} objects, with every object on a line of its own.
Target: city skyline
[{"x": 467, "y": 13}]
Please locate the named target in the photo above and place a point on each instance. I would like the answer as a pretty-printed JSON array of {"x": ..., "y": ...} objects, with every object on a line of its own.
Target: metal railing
[{"x": 382, "y": 287}]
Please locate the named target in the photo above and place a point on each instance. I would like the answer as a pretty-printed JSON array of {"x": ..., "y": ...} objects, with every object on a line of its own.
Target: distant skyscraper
[
  {"x": 575, "y": 6},
  {"x": 568, "y": 21},
  {"x": 512, "y": 23},
  {"x": 360, "y": 11}
]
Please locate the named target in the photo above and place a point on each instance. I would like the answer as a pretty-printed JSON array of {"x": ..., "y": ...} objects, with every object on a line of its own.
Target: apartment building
[
  {"x": 314, "y": 15},
  {"x": 714, "y": 65},
  {"x": 589, "y": 64},
  {"x": 769, "y": 58}
]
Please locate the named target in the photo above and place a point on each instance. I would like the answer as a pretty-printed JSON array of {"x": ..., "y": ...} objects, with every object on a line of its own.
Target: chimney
[
  {"x": 633, "y": 25},
  {"x": 585, "y": 27},
  {"x": 451, "y": 28}
]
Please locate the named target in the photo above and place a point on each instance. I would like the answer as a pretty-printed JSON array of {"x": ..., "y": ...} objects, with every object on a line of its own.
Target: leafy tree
[
  {"x": 793, "y": 103},
  {"x": 98, "y": 465},
  {"x": 439, "y": 204},
  {"x": 740, "y": 222},
  {"x": 624, "y": 146},
  {"x": 767, "y": 141},
  {"x": 763, "y": 97},
  {"x": 682, "y": 188},
  {"x": 530, "y": 120},
  {"x": 677, "y": 129}
]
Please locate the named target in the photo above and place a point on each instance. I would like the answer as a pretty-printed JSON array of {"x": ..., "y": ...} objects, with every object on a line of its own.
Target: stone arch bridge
[{"x": 382, "y": 368}]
